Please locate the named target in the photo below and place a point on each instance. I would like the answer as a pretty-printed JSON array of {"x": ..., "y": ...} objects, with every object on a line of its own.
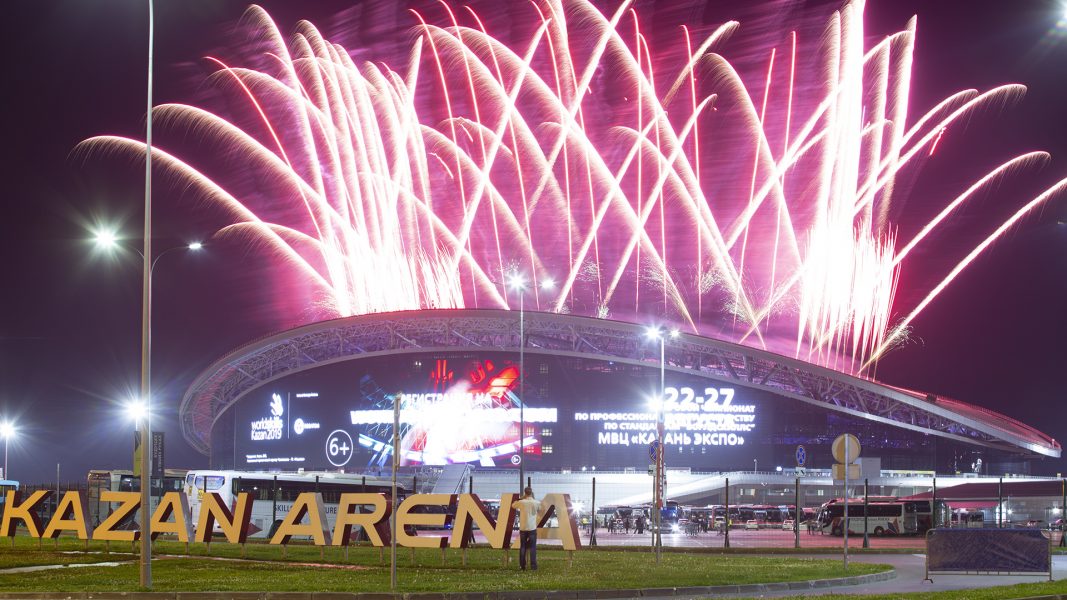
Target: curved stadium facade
[{"x": 321, "y": 396}]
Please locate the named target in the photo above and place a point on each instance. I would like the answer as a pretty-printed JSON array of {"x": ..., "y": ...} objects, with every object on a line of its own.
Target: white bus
[
  {"x": 273, "y": 493},
  {"x": 897, "y": 517}
]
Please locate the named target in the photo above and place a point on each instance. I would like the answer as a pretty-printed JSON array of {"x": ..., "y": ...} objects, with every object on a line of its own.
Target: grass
[{"x": 363, "y": 571}]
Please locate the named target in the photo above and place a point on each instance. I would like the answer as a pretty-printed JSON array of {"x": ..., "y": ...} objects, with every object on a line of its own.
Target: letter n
[
  {"x": 234, "y": 525},
  {"x": 470, "y": 511}
]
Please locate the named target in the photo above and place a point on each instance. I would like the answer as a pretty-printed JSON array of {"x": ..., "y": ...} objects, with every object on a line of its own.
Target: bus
[
  {"x": 121, "y": 480},
  {"x": 6, "y": 485},
  {"x": 273, "y": 494},
  {"x": 882, "y": 517}
]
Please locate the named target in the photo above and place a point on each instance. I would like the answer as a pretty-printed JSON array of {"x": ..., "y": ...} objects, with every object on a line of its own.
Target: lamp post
[
  {"x": 107, "y": 240},
  {"x": 7, "y": 431},
  {"x": 517, "y": 282},
  {"x": 657, "y": 486},
  {"x": 146, "y": 318}
]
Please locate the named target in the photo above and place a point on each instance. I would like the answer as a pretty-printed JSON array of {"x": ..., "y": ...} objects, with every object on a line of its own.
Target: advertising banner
[{"x": 465, "y": 408}]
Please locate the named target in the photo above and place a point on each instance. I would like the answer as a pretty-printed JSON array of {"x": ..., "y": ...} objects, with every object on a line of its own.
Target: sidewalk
[{"x": 910, "y": 570}]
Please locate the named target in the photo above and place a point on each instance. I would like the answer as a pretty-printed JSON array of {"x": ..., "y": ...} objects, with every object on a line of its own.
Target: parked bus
[
  {"x": 120, "y": 480},
  {"x": 273, "y": 493},
  {"x": 897, "y": 517},
  {"x": 6, "y": 485}
]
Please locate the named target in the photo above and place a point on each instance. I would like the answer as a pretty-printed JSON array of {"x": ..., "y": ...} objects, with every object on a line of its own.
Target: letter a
[
  {"x": 310, "y": 504},
  {"x": 567, "y": 531},
  {"x": 70, "y": 515}
]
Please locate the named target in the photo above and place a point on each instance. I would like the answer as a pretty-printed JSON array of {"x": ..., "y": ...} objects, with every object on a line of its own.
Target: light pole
[
  {"x": 107, "y": 240},
  {"x": 654, "y": 333},
  {"x": 7, "y": 431},
  {"x": 146, "y": 319},
  {"x": 517, "y": 282}
]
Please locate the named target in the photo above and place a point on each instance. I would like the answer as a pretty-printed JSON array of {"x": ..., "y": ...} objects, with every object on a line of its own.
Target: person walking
[{"x": 528, "y": 508}]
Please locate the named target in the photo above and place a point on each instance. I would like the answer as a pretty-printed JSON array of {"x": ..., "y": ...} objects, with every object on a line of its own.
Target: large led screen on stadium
[{"x": 465, "y": 408}]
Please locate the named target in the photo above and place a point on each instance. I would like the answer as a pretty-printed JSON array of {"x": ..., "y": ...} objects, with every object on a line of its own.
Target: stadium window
[
  {"x": 543, "y": 369},
  {"x": 546, "y": 432},
  {"x": 546, "y": 449}
]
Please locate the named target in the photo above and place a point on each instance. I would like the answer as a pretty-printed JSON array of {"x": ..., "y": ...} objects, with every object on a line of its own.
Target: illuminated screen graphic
[{"x": 464, "y": 408}]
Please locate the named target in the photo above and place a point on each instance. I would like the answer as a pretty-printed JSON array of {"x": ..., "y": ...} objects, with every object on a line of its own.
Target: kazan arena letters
[{"x": 306, "y": 519}]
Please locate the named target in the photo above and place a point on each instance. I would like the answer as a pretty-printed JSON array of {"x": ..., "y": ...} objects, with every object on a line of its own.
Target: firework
[{"x": 757, "y": 211}]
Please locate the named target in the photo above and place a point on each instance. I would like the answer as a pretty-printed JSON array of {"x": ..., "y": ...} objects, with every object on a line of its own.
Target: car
[
  {"x": 787, "y": 525},
  {"x": 751, "y": 524},
  {"x": 1056, "y": 525}
]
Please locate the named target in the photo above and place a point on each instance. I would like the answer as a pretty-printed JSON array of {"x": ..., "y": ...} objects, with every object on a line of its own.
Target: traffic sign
[
  {"x": 655, "y": 449},
  {"x": 802, "y": 456}
]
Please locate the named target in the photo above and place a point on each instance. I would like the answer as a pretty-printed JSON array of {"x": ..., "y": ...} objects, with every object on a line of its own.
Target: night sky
[{"x": 70, "y": 328}]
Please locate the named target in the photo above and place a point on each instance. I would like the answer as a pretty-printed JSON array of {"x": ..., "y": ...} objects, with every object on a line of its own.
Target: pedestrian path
[{"x": 911, "y": 570}]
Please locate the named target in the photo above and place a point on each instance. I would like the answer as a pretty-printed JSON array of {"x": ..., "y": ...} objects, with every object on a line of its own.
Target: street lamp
[
  {"x": 7, "y": 431},
  {"x": 517, "y": 283},
  {"x": 655, "y": 333},
  {"x": 107, "y": 240}
]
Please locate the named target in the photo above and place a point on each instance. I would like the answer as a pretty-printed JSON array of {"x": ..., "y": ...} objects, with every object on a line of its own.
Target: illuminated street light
[
  {"x": 137, "y": 411},
  {"x": 517, "y": 283},
  {"x": 655, "y": 333},
  {"x": 108, "y": 240},
  {"x": 7, "y": 431},
  {"x": 141, "y": 410}
]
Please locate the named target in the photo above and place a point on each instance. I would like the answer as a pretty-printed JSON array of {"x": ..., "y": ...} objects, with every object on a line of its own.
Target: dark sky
[{"x": 70, "y": 330}]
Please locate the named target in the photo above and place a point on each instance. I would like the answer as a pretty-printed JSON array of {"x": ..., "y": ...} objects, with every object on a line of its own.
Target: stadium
[
  {"x": 320, "y": 397},
  {"x": 759, "y": 210}
]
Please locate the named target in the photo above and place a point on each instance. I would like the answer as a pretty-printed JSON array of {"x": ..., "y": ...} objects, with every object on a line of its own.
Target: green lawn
[{"x": 364, "y": 571}]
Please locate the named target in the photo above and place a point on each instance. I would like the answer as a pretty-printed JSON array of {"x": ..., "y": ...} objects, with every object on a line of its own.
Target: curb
[{"x": 680, "y": 592}]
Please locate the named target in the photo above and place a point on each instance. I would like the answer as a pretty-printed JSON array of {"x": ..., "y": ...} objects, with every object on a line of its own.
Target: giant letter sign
[
  {"x": 24, "y": 511},
  {"x": 310, "y": 504},
  {"x": 405, "y": 518},
  {"x": 497, "y": 533},
  {"x": 375, "y": 523},
  {"x": 234, "y": 526},
  {"x": 427, "y": 510},
  {"x": 177, "y": 504},
  {"x": 567, "y": 531},
  {"x": 129, "y": 502},
  {"x": 70, "y": 515}
]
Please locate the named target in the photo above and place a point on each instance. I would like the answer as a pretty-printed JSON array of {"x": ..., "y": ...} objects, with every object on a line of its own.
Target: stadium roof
[{"x": 289, "y": 352}]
